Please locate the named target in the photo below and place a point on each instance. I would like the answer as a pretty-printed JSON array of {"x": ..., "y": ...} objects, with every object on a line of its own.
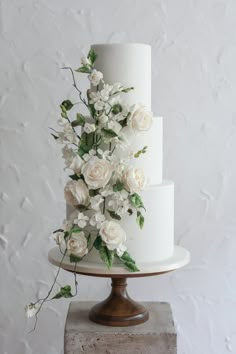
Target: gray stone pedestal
[{"x": 156, "y": 336}]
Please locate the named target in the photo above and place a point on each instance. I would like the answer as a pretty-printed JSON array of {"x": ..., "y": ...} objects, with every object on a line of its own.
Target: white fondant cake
[{"x": 130, "y": 64}]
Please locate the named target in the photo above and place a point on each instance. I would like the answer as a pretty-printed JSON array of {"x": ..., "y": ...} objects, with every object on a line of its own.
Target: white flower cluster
[{"x": 104, "y": 187}]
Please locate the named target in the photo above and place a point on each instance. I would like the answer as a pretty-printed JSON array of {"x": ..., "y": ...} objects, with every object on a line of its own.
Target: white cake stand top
[{"x": 180, "y": 258}]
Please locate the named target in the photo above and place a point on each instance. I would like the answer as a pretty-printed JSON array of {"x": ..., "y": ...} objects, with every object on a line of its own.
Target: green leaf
[
  {"x": 114, "y": 215},
  {"x": 54, "y": 136},
  {"x": 67, "y": 104},
  {"x": 92, "y": 56},
  {"x": 131, "y": 267},
  {"x": 74, "y": 177},
  {"x": 130, "y": 211},
  {"x": 82, "y": 208},
  {"x": 108, "y": 133},
  {"x": 136, "y": 200},
  {"x": 84, "y": 69},
  {"x": 80, "y": 119},
  {"x": 93, "y": 192},
  {"x": 106, "y": 255},
  {"x": 97, "y": 242},
  {"x": 117, "y": 108},
  {"x": 58, "y": 230},
  {"x": 75, "y": 230},
  {"x": 74, "y": 259},
  {"x": 123, "y": 122},
  {"x": 66, "y": 234},
  {"x": 128, "y": 262},
  {"x": 140, "y": 219},
  {"x": 143, "y": 151},
  {"x": 118, "y": 186},
  {"x": 127, "y": 89},
  {"x": 64, "y": 292}
]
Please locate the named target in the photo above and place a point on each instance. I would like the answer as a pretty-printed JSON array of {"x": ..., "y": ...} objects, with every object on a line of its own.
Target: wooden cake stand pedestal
[{"x": 119, "y": 309}]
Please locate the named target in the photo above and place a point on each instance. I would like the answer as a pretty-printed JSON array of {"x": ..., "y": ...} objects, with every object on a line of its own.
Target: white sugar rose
[
  {"x": 76, "y": 193},
  {"x": 76, "y": 164},
  {"x": 95, "y": 77},
  {"x": 141, "y": 119},
  {"x": 77, "y": 244},
  {"x": 134, "y": 179},
  {"x": 97, "y": 172},
  {"x": 112, "y": 234},
  {"x": 89, "y": 128}
]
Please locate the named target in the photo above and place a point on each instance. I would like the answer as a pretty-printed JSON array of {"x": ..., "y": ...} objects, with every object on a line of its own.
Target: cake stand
[{"x": 119, "y": 309}]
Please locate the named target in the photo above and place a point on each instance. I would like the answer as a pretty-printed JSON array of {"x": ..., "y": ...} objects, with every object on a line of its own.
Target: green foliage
[
  {"x": 114, "y": 215},
  {"x": 74, "y": 259},
  {"x": 82, "y": 208},
  {"x": 140, "y": 219},
  {"x": 106, "y": 255},
  {"x": 86, "y": 143},
  {"x": 67, "y": 105},
  {"x": 75, "y": 230},
  {"x": 64, "y": 292},
  {"x": 84, "y": 69},
  {"x": 92, "y": 56},
  {"x": 127, "y": 89},
  {"x": 108, "y": 133},
  {"x": 54, "y": 136},
  {"x": 143, "y": 151},
  {"x": 136, "y": 200},
  {"x": 117, "y": 108},
  {"x": 80, "y": 120},
  {"x": 130, "y": 211},
  {"x": 97, "y": 242},
  {"x": 128, "y": 262},
  {"x": 118, "y": 186},
  {"x": 74, "y": 177}
]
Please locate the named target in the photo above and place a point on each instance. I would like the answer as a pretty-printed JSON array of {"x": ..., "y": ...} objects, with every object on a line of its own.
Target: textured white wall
[{"x": 194, "y": 85}]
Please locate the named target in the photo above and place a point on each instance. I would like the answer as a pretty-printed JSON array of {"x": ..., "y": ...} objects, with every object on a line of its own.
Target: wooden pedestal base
[{"x": 118, "y": 309}]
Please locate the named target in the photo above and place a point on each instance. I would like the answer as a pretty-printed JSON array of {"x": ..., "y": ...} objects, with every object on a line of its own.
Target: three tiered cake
[{"x": 130, "y": 64}]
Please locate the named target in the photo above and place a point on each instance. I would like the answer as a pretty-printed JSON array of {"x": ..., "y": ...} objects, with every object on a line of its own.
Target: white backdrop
[{"x": 194, "y": 82}]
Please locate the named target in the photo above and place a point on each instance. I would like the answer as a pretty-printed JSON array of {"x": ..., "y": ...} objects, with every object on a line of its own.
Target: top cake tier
[{"x": 128, "y": 64}]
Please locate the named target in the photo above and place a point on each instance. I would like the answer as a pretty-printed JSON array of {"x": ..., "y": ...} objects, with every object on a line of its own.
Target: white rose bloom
[
  {"x": 76, "y": 164},
  {"x": 99, "y": 105},
  {"x": 134, "y": 179},
  {"x": 81, "y": 220},
  {"x": 31, "y": 309},
  {"x": 120, "y": 250},
  {"x": 94, "y": 97},
  {"x": 59, "y": 237},
  {"x": 85, "y": 61},
  {"x": 76, "y": 193},
  {"x": 112, "y": 234},
  {"x": 141, "y": 119},
  {"x": 96, "y": 201},
  {"x": 105, "y": 92},
  {"x": 97, "y": 219},
  {"x": 97, "y": 172},
  {"x": 77, "y": 244},
  {"x": 95, "y": 77},
  {"x": 89, "y": 128}
]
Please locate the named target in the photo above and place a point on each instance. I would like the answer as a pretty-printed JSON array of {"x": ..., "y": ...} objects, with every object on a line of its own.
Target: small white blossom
[
  {"x": 81, "y": 220},
  {"x": 31, "y": 309},
  {"x": 99, "y": 105},
  {"x": 59, "y": 237},
  {"x": 89, "y": 128},
  {"x": 115, "y": 126},
  {"x": 90, "y": 154},
  {"x": 97, "y": 219},
  {"x": 94, "y": 96},
  {"x": 105, "y": 92},
  {"x": 120, "y": 250},
  {"x": 96, "y": 201},
  {"x": 102, "y": 119},
  {"x": 95, "y": 77},
  {"x": 85, "y": 61}
]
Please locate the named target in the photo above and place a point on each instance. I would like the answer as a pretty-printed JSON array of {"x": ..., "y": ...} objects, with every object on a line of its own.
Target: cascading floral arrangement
[{"x": 104, "y": 187}]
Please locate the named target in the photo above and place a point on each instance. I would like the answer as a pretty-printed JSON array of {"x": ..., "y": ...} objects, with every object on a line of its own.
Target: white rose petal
[
  {"x": 112, "y": 234},
  {"x": 77, "y": 244},
  {"x": 134, "y": 179},
  {"x": 95, "y": 77},
  {"x": 97, "y": 172},
  {"x": 76, "y": 193},
  {"x": 89, "y": 128},
  {"x": 141, "y": 119}
]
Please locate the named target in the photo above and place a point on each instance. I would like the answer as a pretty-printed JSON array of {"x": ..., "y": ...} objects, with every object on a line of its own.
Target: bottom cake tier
[{"x": 155, "y": 242}]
